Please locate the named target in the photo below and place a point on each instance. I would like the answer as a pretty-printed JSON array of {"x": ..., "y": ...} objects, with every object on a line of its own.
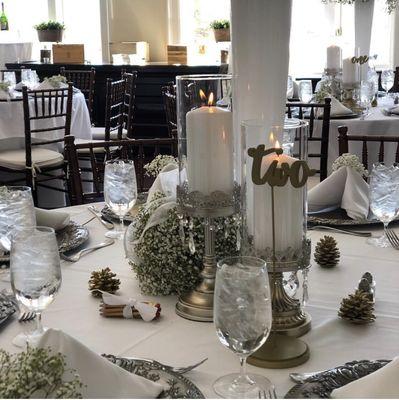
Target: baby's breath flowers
[
  {"x": 352, "y": 161},
  {"x": 38, "y": 373},
  {"x": 155, "y": 166},
  {"x": 166, "y": 265},
  {"x": 56, "y": 80}
]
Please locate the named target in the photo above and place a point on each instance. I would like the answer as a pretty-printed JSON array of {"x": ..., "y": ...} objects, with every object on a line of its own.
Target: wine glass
[
  {"x": 120, "y": 190},
  {"x": 16, "y": 212},
  {"x": 384, "y": 198},
  {"x": 243, "y": 319},
  {"x": 387, "y": 80},
  {"x": 35, "y": 273},
  {"x": 305, "y": 91},
  {"x": 366, "y": 95}
]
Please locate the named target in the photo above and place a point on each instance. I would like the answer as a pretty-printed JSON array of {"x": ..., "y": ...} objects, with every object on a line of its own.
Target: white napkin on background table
[
  {"x": 382, "y": 384},
  {"x": 102, "y": 378},
  {"x": 337, "y": 108},
  {"x": 51, "y": 218},
  {"x": 344, "y": 188}
]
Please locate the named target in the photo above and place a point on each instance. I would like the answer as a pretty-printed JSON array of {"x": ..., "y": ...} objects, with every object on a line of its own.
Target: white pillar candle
[
  {"x": 349, "y": 75},
  {"x": 288, "y": 211},
  {"x": 209, "y": 131},
  {"x": 334, "y": 57}
]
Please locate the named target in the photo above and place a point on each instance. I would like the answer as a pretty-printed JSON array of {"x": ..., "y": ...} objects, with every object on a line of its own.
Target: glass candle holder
[{"x": 205, "y": 133}]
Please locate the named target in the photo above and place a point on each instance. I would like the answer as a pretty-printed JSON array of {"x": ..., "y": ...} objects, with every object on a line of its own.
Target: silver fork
[
  {"x": 270, "y": 394},
  {"x": 79, "y": 254},
  {"x": 179, "y": 370},
  {"x": 26, "y": 316},
  {"x": 393, "y": 238}
]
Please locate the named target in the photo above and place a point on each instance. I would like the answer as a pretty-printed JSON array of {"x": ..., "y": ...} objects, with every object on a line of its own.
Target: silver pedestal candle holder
[
  {"x": 206, "y": 173},
  {"x": 273, "y": 181}
]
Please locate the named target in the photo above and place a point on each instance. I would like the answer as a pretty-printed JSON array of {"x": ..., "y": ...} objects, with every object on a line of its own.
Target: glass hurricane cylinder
[
  {"x": 206, "y": 173},
  {"x": 274, "y": 212}
]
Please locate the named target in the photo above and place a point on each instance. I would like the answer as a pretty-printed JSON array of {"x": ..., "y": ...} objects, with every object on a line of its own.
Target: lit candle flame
[
  {"x": 277, "y": 144},
  {"x": 271, "y": 137},
  {"x": 202, "y": 95},
  {"x": 210, "y": 99}
]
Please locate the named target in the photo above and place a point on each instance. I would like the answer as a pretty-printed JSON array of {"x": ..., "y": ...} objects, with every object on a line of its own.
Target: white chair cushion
[
  {"x": 15, "y": 159},
  {"x": 96, "y": 149},
  {"x": 98, "y": 133}
]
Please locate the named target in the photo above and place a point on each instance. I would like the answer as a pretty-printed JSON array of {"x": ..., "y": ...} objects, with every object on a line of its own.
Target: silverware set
[
  {"x": 270, "y": 394},
  {"x": 339, "y": 230}
]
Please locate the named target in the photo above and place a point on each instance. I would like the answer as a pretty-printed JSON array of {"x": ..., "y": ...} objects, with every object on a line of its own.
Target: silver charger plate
[
  {"x": 179, "y": 387},
  {"x": 69, "y": 238},
  {"x": 338, "y": 217},
  {"x": 7, "y": 308},
  {"x": 321, "y": 385}
]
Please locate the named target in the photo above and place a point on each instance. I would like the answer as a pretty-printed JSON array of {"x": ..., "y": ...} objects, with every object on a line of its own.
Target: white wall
[{"x": 140, "y": 20}]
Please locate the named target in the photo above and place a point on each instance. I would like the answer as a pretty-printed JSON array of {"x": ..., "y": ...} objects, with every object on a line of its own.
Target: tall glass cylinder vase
[
  {"x": 206, "y": 172},
  {"x": 274, "y": 209}
]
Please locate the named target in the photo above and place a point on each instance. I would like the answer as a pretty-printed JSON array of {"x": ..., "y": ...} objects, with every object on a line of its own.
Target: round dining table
[{"x": 180, "y": 342}]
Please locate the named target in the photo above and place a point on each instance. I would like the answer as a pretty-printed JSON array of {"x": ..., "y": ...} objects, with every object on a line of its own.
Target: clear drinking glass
[
  {"x": 387, "y": 80},
  {"x": 120, "y": 191},
  {"x": 16, "y": 212},
  {"x": 35, "y": 272},
  {"x": 366, "y": 94},
  {"x": 243, "y": 319},
  {"x": 384, "y": 198},
  {"x": 305, "y": 91},
  {"x": 9, "y": 76}
]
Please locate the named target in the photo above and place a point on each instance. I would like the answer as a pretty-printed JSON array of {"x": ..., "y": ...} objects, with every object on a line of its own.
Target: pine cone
[
  {"x": 104, "y": 280},
  {"x": 357, "y": 308},
  {"x": 326, "y": 253}
]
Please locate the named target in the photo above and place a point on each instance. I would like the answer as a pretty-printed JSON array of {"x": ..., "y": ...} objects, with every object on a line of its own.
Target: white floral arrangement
[
  {"x": 37, "y": 373},
  {"x": 56, "y": 81},
  {"x": 352, "y": 161},
  {"x": 323, "y": 90},
  {"x": 158, "y": 163},
  {"x": 166, "y": 264}
]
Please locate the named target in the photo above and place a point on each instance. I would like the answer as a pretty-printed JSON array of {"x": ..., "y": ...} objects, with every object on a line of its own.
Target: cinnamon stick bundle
[{"x": 109, "y": 311}]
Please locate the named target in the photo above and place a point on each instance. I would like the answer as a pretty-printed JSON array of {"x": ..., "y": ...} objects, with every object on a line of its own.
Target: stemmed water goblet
[
  {"x": 243, "y": 320},
  {"x": 366, "y": 96},
  {"x": 120, "y": 191},
  {"x": 305, "y": 91},
  {"x": 35, "y": 273},
  {"x": 387, "y": 80},
  {"x": 384, "y": 198}
]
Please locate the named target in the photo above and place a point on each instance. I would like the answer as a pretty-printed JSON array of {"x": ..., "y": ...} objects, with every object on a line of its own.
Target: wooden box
[
  {"x": 68, "y": 54},
  {"x": 177, "y": 54}
]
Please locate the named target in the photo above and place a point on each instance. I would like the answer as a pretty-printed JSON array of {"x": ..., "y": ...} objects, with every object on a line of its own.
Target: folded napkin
[
  {"x": 394, "y": 110},
  {"x": 337, "y": 108},
  {"x": 382, "y": 384},
  {"x": 101, "y": 378},
  {"x": 52, "y": 218},
  {"x": 344, "y": 188}
]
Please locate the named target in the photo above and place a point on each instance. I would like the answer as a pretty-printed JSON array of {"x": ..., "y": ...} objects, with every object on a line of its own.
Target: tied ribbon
[
  {"x": 34, "y": 170},
  {"x": 146, "y": 311}
]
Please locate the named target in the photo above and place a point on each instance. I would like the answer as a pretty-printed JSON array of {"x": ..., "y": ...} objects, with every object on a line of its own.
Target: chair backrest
[
  {"x": 141, "y": 151},
  {"x": 129, "y": 100},
  {"x": 84, "y": 81},
  {"x": 312, "y": 112},
  {"x": 44, "y": 105},
  {"x": 169, "y": 101},
  {"x": 344, "y": 139}
]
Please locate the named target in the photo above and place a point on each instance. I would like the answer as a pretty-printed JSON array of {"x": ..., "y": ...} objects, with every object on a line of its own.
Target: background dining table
[{"x": 179, "y": 342}]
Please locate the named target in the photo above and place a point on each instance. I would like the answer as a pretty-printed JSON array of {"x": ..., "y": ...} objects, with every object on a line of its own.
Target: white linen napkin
[
  {"x": 46, "y": 85},
  {"x": 102, "y": 378},
  {"x": 337, "y": 108},
  {"x": 344, "y": 188},
  {"x": 52, "y": 218},
  {"x": 394, "y": 110},
  {"x": 381, "y": 384}
]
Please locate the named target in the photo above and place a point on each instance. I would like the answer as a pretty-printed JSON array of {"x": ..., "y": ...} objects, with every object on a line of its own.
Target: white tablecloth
[
  {"x": 180, "y": 342},
  {"x": 14, "y": 52},
  {"x": 375, "y": 124},
  {"x": 12, "y": 120}
]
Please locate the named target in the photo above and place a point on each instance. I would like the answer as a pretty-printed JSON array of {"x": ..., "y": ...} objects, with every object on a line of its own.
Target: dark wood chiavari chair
[
  {"x": 169, "y": 100},
  {"x": 315, "y": 110},
  {"x": 36, "y": 165},
  {"x": 141, "y": 151},
  {"x": 84, "y": 81},
  {"x": 344, "y": 139}
]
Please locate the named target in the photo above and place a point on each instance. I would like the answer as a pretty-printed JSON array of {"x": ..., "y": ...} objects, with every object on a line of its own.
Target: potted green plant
[
  {"x": 50, "y": 31},
  {"x": 221, "y": 30}
]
